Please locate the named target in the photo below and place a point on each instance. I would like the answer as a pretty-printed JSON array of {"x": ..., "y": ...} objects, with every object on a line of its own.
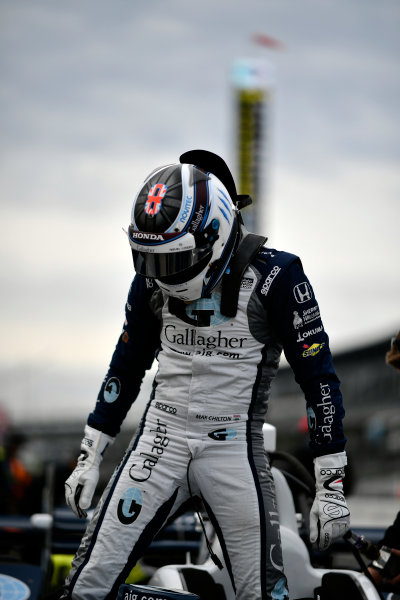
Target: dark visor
[{"x": 159, "y": 266}]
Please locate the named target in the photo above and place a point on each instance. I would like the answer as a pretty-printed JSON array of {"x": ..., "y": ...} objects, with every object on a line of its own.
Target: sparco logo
[
  {"x": 142, "y": 471},
  {"x": 87, "y": 442},
  {"x": 168, "y": 409},
  {"x": 335, "y": 511},
  {"x": 270, "y": 278},
  {"x": 338, "y": 472},
  {"x": 141, "y": 235}
]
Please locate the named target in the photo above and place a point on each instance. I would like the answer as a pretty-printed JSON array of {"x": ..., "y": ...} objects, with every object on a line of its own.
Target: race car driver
[{"x": 216, "y": 307}]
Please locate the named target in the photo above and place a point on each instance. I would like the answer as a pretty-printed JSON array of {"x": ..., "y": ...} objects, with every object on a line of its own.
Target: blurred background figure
[
  {"x": 393, "y": 355},
  {"x": 386, "y": 571},
  {"x": 391, "y": 539},
  {"x": 21, "y": 470},
  {"x": 15, "y": 478}
]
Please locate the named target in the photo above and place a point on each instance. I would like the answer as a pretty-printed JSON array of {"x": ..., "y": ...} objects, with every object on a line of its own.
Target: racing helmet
[{"x": 184, "y": 229}]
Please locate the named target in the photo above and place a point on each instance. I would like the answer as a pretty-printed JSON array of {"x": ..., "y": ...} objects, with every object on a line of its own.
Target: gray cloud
[{"x": 94, "y": 95}]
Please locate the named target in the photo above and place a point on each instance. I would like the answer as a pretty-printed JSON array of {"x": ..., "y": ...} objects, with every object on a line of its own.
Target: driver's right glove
[
  {"x": 81, "y": 484},
  {"x": 329, "y": 516}
]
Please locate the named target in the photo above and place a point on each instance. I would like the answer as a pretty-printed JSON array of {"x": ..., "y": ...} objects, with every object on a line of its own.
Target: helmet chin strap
[{"x": 249, "y": 246}]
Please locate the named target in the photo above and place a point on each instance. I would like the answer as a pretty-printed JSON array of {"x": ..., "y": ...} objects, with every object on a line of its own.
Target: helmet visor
[{"x": 177, "y": 264}]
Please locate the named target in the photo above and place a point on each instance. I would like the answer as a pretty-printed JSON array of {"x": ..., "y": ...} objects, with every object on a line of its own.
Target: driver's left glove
[
  {"x": 81, "y": 484},
  {"x": 329, "y": 516}
]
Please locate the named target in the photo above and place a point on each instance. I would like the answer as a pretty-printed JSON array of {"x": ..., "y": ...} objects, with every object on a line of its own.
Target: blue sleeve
[
  {"x": 296, "y": 319},
  {"x": 133, "y": 355}
]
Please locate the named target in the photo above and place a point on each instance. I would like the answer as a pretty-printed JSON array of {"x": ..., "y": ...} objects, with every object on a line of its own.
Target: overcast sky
[{"x": 96, "y": 94}]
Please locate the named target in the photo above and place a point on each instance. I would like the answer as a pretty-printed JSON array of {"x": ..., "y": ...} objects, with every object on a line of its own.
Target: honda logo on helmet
[
  {"x": 143, "y": 235},
  {"x": 154, "y": 199}
]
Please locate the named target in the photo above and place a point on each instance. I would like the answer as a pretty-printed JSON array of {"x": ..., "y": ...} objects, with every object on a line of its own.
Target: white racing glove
[
  {"x": 81, "y": 484},
  {"x": 329, "y": 516}
]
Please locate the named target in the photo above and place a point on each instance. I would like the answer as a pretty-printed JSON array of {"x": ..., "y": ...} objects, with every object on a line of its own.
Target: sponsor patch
[
  {"x": 142, "y": 470},
  {"x": 297, "y": 320},
  {"x": 246, "y": 283},
  {"x": 301, "y": 336},
  {"x": 218, "y": 418},
  {"x": 192, "y": 337},
  {"x": 112, "y": 390},
  {"x": 147, "y": 237},
  {"x": 306, "y": 317},
  {"x": 312, "y": 350},
  {"x": 222, "y": 435},
  {"x": 166, "y": 408},
  {"x": 328, "y": 410},
  {"x": 13, "y": 588},
  {"x": 311, "y": 418},
  {"x": 130, "y": 505},
  {"x": 310, "y": 314},
  {"x": 269, "y": 280},
  {"x": 302, "y": 292},
  {"x": 146, "y": 592},
  {"x": 87, "y": 442}
]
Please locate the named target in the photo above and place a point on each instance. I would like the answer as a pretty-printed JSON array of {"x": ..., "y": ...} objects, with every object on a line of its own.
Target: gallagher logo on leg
[{"x": 130, "y": 505}]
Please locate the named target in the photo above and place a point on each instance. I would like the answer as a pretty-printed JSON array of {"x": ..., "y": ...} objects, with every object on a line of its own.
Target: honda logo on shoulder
[{"x": 302, "y": 292}]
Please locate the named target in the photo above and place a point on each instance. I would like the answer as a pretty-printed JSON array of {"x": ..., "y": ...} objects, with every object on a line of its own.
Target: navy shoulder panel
[{"x": 271, "y": 264}]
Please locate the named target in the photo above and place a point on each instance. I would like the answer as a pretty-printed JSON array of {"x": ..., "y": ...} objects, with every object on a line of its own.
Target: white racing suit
[{"x": 204, "y": 422}]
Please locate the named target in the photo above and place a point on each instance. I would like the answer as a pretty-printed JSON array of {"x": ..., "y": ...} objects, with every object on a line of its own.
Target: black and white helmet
[{"x": 184, "y": 228}]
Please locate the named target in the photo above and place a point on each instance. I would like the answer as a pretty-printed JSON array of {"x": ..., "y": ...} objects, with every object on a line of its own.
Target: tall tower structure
[{"x": 253, "y": 82}]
